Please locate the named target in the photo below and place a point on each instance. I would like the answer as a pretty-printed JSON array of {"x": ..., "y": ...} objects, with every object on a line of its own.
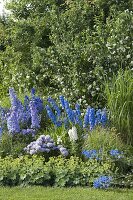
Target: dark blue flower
[
  {"x": 86, "y": 118},
  {"x": 77, "y": 108},
  {"x": 33, "y": 91},
  {"x": 62, "y": 101},
  {"x": 104, "y": 118},
  {"x": 77, "y": 118},
  {"x": 98, "y": 117},
  {"x": 50, "y": 114},
  {"x": 55, "y": 106},
  {"x": 92, "y": 118},
  {"x": 70, "y": 112}
]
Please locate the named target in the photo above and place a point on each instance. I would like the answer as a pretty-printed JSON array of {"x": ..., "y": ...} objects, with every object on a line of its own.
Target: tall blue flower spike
[
  {"x": 92, "y": 118},
  {"x": 55, "y": 106},
  {"x": 35, "y": 122},
  {"x": 86, "y": 118},
  {"x": 104, "y": 117}
]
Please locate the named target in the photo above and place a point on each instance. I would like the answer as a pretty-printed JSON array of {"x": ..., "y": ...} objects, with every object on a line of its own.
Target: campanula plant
[{"x": 102, "y": 182}]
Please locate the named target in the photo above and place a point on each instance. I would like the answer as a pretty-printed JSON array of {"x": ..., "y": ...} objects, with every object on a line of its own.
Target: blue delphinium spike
[
  {"x": 70, "y": 112},
  {"x": 51, "y": 114},
  {"x": 66, "y": 122},
  {"x": 104, "y": 118},
  {"x": 0, "y": 131},
  {"x": 77, "y": 118},
  {"x": 55, "y": 106},
  {"x": 35, "y": 122},
  {"x": 86, "y": 118},
  {"x": 13, "y": 98},
  {"x": 77, "y": 108},
  {"x": 62, "y": 101},
  {"x": 98, "y": 117},
  {"x": 33, "y": 91},
  {"x": 92, "y": 118},
  {"x": 12, "y": 122}
]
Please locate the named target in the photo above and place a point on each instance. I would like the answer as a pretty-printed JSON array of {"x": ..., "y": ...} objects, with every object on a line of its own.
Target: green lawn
[{"x": 42, "y": 193}]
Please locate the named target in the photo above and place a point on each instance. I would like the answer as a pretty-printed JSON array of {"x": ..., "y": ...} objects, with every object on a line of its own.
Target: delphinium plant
[
  {"x": 75, "y": 126},
  {"x": 21, "y": 121}
]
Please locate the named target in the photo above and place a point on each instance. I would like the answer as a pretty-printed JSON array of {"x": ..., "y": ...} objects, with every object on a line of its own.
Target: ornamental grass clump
[{"x": 119, "y": 96}]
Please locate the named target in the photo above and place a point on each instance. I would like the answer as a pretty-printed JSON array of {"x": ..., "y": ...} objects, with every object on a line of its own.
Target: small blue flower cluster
[
  {"x": 44, "y": 144},
  {"x": 97, "y": 154},
  {"x": 91, "y": 154},
  {"x": 102, "y": 182},
  {"x": 116, "y": 153}
]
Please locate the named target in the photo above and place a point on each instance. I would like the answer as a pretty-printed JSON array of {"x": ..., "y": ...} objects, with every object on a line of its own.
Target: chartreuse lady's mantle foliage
[{"x": 56, "y": 172}]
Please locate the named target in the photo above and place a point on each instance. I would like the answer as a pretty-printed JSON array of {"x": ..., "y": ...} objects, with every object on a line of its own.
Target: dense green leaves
[{"x": 67, "y": 46}]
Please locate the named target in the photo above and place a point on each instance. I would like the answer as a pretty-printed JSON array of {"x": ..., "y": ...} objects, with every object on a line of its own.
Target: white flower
[
  {"x": 73, "y": 134},
  {"x": 59, "y": 140}
]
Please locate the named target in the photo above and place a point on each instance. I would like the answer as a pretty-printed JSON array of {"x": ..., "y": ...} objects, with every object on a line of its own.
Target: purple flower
[
  {"x": 28, "y": 131},
  {"x": 12, "y": 122},
  {"x": 63, "y": 151},
  {"x": 13, "y": 97},
  {"x": 0, "y": 131},
  {"x": 35, "y": 122}
]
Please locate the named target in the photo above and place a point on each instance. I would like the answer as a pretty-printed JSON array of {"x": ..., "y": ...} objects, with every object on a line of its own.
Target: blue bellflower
[{"x": 102, "y": 182}]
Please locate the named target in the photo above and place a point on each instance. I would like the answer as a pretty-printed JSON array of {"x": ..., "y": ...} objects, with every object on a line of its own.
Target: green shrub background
[{"x": 65, "y": 46}]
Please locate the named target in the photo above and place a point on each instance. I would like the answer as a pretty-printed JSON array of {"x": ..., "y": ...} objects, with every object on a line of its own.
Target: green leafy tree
[{"x": 68, "y": 46}]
